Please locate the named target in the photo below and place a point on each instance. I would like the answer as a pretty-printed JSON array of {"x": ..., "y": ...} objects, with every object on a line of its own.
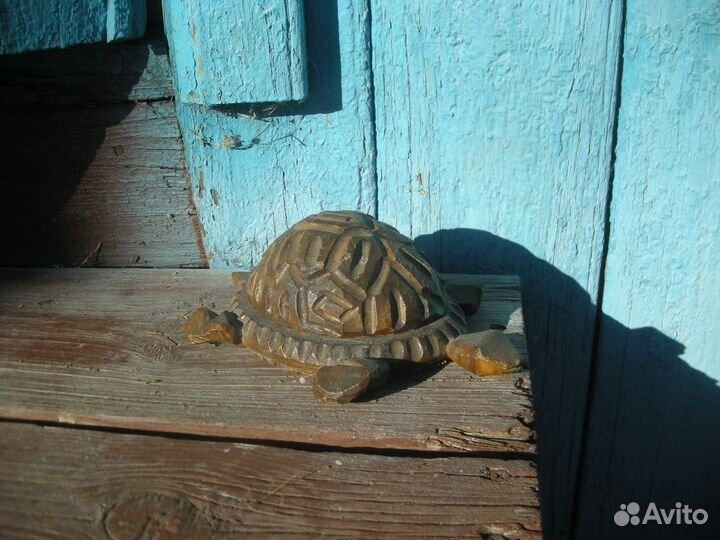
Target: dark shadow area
[
  {"x": 653, "y": 431},
  {"x": 324, "y": 70},
  {"x": 93, "y": 171},
  {"x": 410, "y": 375},
  {"x": 51, "y": 125},
  {"x": 654, "y": 437}
]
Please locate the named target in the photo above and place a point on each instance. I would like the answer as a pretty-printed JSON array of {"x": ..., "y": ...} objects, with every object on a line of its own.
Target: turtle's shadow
[
  {"x": 624, "y": 419},
  {"x": 401, "y": 379}
]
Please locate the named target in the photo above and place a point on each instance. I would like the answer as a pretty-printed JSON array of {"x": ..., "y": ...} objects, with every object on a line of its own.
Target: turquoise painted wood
[
  {"x": 236, "y": 51},
  {"x": 654, "y": 433},
  {"x": 126, "y": 19},
  {"x": 28, "y": 25},
  {"x": 257, "y": 172},
  {"x": 494, "y": 136}
]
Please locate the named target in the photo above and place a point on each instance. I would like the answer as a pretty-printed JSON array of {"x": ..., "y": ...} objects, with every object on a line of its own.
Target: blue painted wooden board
[
  {"x": 654, "y": 433},
  {"x": 126, "y": 19},
  {"x": 494, "y": 137},
  {"x": 28, "y": 25},
  {"x": 255, "y": 173},
  {"x": 236, "y": 51}
]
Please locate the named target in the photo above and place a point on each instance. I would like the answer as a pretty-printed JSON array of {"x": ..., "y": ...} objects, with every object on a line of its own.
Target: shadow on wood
[
  {"x": 94, "y": 173},
  {"x": 48, "y": 150},
  {"x": 661, "y": 449},
  {"x": 411, "y": 376}
]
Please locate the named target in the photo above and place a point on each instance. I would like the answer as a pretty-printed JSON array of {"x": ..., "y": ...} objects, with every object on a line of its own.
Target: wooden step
[
  {"x": 104, "y": 347},
  {"x": 79, "y": 483}
]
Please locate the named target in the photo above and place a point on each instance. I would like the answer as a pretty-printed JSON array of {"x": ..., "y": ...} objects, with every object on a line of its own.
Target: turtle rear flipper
[
  {"x": 340, "y": 384},
  {"x": 343, "y": 383}
]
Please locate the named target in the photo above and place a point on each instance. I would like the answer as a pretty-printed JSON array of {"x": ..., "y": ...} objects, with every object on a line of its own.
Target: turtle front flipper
[{"x": 343, "y": 383}]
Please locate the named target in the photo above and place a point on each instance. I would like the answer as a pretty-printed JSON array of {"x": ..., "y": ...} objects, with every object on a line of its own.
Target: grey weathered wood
[
  {"x": 108, "y": 73},
  {"x": 80, "y": 177},
  {"x": 105, "y": 348},
  {"x": 71, "y": 483}
]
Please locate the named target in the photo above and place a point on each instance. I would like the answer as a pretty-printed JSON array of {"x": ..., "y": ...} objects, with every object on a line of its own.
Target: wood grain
[
  {"x": 89, "y": 74},
  {"x": 105, "y": 348},
  {"x": 112, "y": 177},
  {"x": 653, "y": 432},
  {"x": 70, "y": 483},
  {"x": 494, "y": 138}
]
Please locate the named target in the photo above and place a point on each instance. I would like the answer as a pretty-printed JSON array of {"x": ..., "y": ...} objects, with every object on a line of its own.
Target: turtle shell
[{"x": 342, "y": 285}]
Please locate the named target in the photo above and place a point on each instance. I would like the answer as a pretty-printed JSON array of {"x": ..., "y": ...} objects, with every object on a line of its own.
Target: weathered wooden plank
[
  {"x": 83, "y": 177},
  {"x": 105, "y": 348},
  {"x": 108, "y": 73},
  {"x": 498, "y": 117},
  {"x": 227, "y": 52},
  {"x": 258, "y": 171},
  {"x": 653, "y": 434},
  {"x": 70, "y": 483},
  {"x": 28, "y": 25}
]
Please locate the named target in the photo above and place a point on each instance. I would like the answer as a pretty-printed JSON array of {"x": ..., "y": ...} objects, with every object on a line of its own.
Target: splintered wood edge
[
  {"x": 105, "y": 348},
  {"x": 98, "y": 484}
]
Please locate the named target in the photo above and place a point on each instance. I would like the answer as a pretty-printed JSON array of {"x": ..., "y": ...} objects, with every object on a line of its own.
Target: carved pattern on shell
[
  {"x": 341, "y": 288},
  {"x": 344, "y": 274}
]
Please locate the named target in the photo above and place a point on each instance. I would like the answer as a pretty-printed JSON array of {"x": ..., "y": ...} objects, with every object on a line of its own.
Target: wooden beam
[
  {"x": 28, "y": 25},
  {"x": 258, "y": 170},
  {"x": 105, "y": 348},
  {"x": 126, "y": 19},
  {"x": 71, "y": 483},
  {"x": 88, "y": 74},
  {"x": 227, "y": 52}
]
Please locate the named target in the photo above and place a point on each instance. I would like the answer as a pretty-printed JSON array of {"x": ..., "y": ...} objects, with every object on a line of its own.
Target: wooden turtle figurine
[{"x": 342, "y": 296}]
